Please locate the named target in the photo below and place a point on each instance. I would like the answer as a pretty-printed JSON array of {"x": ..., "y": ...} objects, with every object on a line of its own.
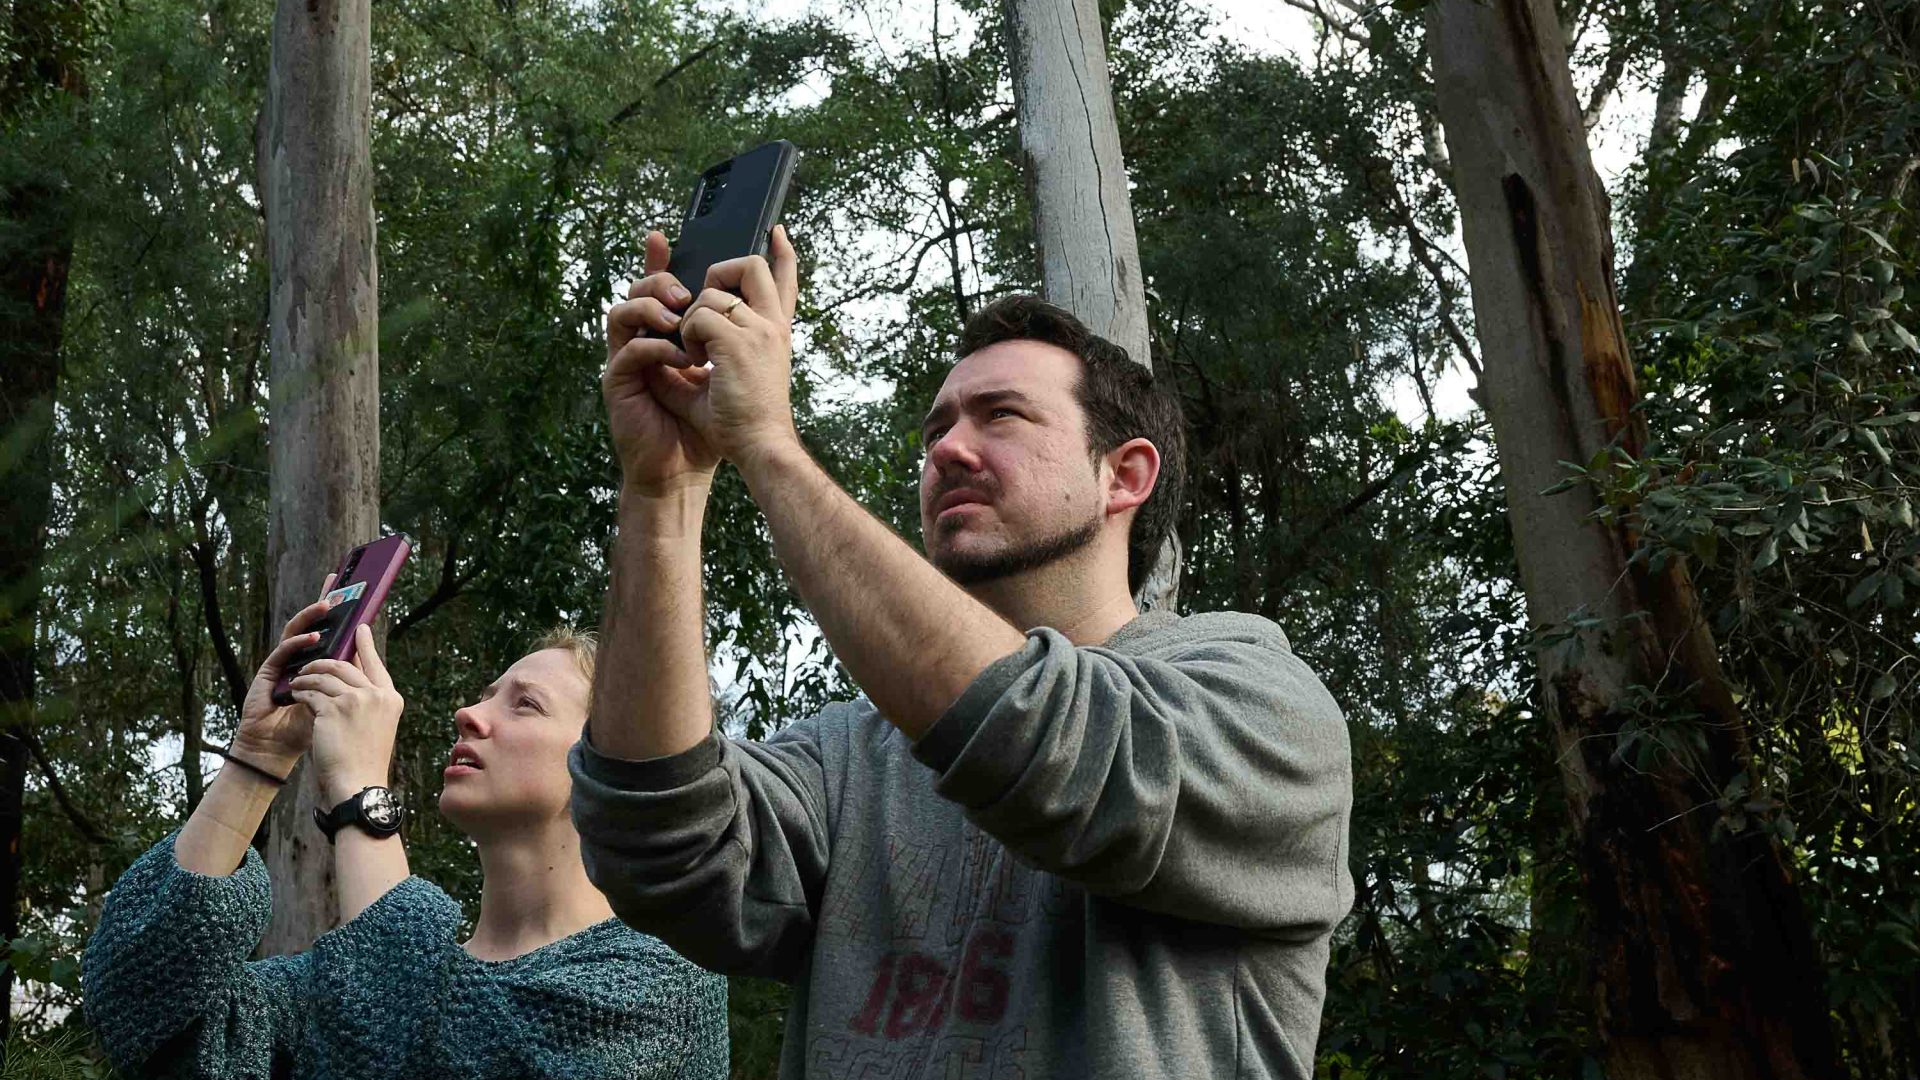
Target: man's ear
[{"x": 1132, "y": 469}]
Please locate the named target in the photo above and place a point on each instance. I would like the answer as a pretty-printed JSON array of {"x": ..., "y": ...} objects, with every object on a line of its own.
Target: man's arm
[
  {"x": 1202, "y": 772},
  {"x": 910, "y": 637},
  {"x": 650, "y": 695},
  {"x": 718, "y": 849}
]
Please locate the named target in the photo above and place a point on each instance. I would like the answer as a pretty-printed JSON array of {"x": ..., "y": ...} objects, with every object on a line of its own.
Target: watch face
[{"x": 380, "y": 808}]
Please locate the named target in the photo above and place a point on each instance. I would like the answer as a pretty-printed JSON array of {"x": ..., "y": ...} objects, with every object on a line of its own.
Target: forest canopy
[{"x": 1310, "y": 301}]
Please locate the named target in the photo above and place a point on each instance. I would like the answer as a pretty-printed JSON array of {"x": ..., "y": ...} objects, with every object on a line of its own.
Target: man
[{"x": 1057, "y": 837}]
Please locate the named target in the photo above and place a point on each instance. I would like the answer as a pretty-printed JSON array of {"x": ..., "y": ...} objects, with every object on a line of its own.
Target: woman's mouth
[{"x": 463, "y": 761}]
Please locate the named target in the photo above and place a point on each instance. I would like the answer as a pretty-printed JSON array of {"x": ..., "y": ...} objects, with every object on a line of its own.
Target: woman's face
[{"x": 509, "y": 765}]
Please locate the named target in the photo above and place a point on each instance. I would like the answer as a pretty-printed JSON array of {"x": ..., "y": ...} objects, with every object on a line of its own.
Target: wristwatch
[{"x": 374, "y": 810}]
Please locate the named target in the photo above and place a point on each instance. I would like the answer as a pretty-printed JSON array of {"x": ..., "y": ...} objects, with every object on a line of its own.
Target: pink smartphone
[{"x": 361, "y": 586}]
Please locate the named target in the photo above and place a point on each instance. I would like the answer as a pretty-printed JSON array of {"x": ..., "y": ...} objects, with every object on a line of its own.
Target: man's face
[{"x": 1008, "y": 482}]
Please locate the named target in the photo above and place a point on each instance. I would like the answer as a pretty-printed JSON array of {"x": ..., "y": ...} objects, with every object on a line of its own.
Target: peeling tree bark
[
  {"x": 1701, "y": 950},
  {"x": 1082, "y": 214},
  {"x": 324, "y": 416}
]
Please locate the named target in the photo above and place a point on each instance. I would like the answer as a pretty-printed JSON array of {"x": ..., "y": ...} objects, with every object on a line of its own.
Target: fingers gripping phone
[
  {"x": 361, "y": 585},
  {"x": 735, "y": 205}
]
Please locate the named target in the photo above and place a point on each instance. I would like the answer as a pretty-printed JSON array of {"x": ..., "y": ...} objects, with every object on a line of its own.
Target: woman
[{"x": 549, "y": 983}]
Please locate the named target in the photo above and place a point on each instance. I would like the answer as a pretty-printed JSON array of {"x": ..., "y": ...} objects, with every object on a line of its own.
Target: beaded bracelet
[{"x": 278, "y": 781}]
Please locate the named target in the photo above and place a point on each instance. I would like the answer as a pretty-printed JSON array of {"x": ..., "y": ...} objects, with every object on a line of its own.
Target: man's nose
[{"x": 955, "y": 451}]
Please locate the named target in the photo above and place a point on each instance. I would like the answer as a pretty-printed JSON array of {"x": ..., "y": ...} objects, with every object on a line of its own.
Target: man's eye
[
  {"x": 933, "y": 436},
  {"x": 998, "y": 413}
]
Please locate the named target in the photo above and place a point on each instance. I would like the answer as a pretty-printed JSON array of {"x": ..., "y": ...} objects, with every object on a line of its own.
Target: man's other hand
[
  {"x": 649, "y": 384},
  {"x": 742, "y": 326}
]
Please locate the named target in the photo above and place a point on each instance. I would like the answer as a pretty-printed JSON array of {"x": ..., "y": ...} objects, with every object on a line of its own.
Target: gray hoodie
[{"x": 1120, "y": 861}]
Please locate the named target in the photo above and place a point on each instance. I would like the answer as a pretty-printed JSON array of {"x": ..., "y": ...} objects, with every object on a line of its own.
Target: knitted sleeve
[
  {"x": 379, "y": 984},
  {"x": 166, "y": 981},
  {"x": 608, "y": 1003}
]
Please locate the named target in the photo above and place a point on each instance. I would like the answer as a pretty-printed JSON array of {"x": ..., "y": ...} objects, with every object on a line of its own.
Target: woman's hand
[
  {"x": 271, "y": 736},
  {"x": 356, "y": 714}
]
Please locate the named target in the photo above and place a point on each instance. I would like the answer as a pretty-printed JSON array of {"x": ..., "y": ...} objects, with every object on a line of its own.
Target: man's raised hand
[{"x": 648, "y": 384}]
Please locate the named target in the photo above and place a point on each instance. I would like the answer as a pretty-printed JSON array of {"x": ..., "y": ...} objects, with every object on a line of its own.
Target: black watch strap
[{"x": 373, "y": 810}]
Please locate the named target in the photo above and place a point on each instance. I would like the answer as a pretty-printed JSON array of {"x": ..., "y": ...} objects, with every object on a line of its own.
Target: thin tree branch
[
  {"x": 927, "y": 244},
  {"x": 1899, "y": 190},
  {"x": 80, "y": 821},
  {"x": 1603, "y": 90},
  {"x": 1339, "y": 26},
  {"x": 449, "y": 587},
  {"x": 1303, "y": 551},
  {"x": 1422, "y": 250},
  {"x": 633, "y": 107},
  {"x": 203, "y": 560}
]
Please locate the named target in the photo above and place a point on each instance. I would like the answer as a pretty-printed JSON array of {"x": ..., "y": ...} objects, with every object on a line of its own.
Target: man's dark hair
[{"x": 1121, "y": 400}]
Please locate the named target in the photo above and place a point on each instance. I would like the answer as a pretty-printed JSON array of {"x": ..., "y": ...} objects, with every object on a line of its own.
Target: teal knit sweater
[{"x": 170, "y": 992}]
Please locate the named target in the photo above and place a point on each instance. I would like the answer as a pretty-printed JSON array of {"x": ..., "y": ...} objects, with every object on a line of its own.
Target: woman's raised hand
[
  {"x": 356, "y": 714},
  {"x": 271, "y": 736}
]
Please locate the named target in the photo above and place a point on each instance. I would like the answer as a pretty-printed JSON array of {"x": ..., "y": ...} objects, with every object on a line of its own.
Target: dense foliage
[{"x": 1307, "y": 305}]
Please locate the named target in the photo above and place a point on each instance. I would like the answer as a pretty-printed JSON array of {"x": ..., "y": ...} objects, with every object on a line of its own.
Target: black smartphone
[{"x": 735, "y": 205}]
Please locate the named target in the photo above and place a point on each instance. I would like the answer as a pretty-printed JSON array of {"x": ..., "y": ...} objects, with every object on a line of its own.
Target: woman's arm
[
  {"x": 165, "y": 978},
  {"x": 356, "y": 713},
  {"x": 268, "y": 742},
  {"x": 217, "y": 833}
]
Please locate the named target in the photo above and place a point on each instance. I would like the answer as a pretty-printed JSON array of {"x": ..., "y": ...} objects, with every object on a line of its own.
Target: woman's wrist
[
  {"x": 336, "y": 790},
  {"x": 268, "y": 759}
]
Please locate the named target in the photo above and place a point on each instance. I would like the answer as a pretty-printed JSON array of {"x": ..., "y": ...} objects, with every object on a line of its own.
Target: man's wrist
[
  {"x": 694, "y": 484},
  {"x": 670, "y": 512},
  {"x": 769, "y": 457}
]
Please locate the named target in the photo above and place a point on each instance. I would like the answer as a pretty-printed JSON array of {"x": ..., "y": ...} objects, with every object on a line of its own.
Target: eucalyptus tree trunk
[
  {"x": 43, "y": 77},
  {"x": 1082, "y": 215},
  {"x": 1701, "y": 950},
  {"x": 324, "y": 416}
]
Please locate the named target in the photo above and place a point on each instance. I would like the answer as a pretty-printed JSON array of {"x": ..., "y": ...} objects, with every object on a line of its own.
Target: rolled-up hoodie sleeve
[
  {"x": 721, "y": 851},
  {"x": 1209, "y": 779}
]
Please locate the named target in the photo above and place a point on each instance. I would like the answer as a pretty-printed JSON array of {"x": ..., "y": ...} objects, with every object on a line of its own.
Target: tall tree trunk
[
  {"x": 43, "y": 77},
  {"x": 1703, "y": 958},
  {"x": 1082, "y": 214},
  {"x": 324, "y": 416},
  {"x": 186, "y": 665}
]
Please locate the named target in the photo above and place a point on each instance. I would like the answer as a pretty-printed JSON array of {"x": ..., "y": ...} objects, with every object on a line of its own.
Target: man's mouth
[{"x": 957, "y": 497}]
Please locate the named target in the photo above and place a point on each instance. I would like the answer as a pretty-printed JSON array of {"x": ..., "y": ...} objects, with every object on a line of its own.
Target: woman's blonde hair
[{"x": 582, "y": 645}]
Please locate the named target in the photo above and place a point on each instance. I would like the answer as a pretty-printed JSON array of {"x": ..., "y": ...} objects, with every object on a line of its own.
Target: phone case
[
  {"x": 362, "y": 582},
  {"x": 735, "y": 204}
]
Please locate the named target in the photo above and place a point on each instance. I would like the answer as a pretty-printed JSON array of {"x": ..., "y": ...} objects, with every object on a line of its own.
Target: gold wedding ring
[{"x": 737, "y": 301}]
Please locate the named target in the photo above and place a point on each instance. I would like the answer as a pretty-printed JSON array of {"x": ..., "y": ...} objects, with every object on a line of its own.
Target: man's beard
[{"x": 969, "y": 569}]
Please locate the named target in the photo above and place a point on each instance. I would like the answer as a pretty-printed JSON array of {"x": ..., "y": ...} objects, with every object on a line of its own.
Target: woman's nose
[{"x": 468, "y": 721}]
